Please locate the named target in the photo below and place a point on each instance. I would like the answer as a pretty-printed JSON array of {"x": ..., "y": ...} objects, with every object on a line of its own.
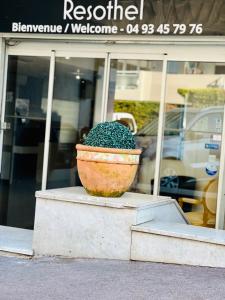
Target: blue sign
[{"x": 212, "y": 146}]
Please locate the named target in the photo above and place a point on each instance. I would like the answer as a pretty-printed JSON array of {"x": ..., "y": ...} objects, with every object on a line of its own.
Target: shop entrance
[{"x": 172, "y": 100}]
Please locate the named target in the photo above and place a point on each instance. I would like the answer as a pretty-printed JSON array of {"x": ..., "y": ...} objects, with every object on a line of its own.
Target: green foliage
[
  {"x": 203, "y": 97},
  {"x": 143, "y": 111},
  {"x": 110, "y": 135}
]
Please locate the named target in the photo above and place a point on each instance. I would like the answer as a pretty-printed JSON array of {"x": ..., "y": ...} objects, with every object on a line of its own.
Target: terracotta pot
[{"x": 106, "y": 172}]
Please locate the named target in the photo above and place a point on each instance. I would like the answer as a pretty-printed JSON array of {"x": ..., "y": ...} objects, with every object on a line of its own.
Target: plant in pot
[{"x": 107, "y": 161}]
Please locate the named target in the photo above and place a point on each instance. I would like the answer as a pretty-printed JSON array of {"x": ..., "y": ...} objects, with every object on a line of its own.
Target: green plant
[
  {"x": 203, "y": 97},
  {"x": 110, "y": 135},
  {"x": 144, "y": 112}
]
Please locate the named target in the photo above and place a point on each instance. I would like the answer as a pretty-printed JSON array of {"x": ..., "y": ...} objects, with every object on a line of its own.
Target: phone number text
[{"x": 176, "y": 29}]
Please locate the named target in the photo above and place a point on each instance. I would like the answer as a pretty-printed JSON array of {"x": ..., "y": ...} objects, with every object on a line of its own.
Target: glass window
[
  {"x": 76, "y": 105},
  {"x": 209, "y": 123},
  {"x": 134, "y": 100},
  {"x": 23, "y": 139},
  {"x": 190, "y": 162}
]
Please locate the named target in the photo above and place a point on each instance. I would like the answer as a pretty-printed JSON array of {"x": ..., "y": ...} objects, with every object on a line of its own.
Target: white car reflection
[{"x": 191, "y": 139}]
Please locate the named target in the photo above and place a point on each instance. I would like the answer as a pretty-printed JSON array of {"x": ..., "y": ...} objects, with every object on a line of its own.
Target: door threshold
[{"x": 16, "y": 240}]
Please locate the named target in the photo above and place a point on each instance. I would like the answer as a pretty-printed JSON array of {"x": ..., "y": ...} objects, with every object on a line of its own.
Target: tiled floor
[{"x": 16, "y": 240}]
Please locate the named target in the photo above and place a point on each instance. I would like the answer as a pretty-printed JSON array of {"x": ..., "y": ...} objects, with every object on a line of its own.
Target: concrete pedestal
[{"x": 71, "y": 223}]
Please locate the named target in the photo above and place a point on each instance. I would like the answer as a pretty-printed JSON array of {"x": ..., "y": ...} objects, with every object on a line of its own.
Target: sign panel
[
  {"x": 129, "y": 17},
  {"x": 212, "y": 146}
]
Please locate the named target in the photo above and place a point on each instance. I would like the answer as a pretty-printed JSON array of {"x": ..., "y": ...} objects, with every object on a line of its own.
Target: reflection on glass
[
  {"x": 195, "y": 96},
  {"x": 76, "y": 105},
  {"x": 134, "y": 99},
  {"x": 23, "y": 139}
]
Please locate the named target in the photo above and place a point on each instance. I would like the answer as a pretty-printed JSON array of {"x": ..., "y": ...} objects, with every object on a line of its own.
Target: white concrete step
[
  {"x": 94, "y": 227},
  {"x": 147, "y": 207},
  {"x": 178, "y": 243},
  {"x": 16, "y": 240}
]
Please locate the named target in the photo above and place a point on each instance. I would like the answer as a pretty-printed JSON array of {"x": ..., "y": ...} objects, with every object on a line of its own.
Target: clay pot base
[
  {"x": 105, "y": 194},
  {"x": 106, "y": 172}
]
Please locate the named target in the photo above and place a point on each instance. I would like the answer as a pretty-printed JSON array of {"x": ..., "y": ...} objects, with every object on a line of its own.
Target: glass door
[
  {"x": 23, "y": 133},
  {"x": 184, "y": 101},
  {"x": 193, "y": 124},
  {"x": 134, "y": 97},
  {"x": 76, "y": 107},
  {"x": 51, "y": 102}
]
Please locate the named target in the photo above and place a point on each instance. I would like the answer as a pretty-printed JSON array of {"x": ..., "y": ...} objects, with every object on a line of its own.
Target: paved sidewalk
[{"x": 55, "y": 278}]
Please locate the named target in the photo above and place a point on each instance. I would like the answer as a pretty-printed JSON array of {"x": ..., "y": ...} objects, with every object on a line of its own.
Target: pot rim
[{"x": 108, "y": 150}]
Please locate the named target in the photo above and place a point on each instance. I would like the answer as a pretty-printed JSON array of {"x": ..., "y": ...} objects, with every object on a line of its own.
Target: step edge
[
  {"x": 17, "y": 250},
  {"x": 175, "y": 235}
]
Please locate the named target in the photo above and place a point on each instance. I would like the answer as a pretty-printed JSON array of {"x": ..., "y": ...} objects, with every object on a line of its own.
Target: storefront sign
[
  {"x": 111, "y": 11},
  {"x": 130, "y": 17}
]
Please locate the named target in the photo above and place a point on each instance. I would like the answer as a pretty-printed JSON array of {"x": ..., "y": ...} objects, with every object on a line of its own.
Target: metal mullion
[
  {"x": 3, "y": 102},
  {"x": 105, "y": 88},
  {"x": 48, "y": 120},
  {"x": 160, "y": 128}
]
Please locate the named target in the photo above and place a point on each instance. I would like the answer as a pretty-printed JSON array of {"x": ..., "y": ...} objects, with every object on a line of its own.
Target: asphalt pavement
[{"x": 60, "y": 278}]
